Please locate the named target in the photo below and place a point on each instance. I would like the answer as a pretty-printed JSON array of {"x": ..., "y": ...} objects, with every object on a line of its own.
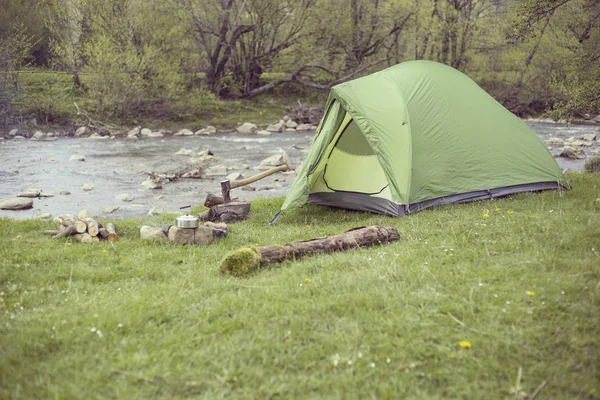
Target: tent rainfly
[{"x": 417, "y": 135}]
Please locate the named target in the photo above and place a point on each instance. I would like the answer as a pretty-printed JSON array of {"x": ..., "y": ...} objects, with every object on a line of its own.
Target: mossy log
[{"x": 248, "y": 259}]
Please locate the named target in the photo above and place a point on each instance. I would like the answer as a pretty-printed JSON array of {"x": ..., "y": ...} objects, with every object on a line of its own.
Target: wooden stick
[
  {"x": 248, "y": 259},
  {"x": 51, "y": 233}
]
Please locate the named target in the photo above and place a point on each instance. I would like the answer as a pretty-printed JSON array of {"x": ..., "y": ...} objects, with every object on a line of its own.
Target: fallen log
[
  {"x": 248, "y": 259},
  {"x": 51, "y": 233}
]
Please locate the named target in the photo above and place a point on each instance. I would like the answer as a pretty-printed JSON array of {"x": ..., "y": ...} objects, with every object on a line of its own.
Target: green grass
[{"x": 521, "y": 285}]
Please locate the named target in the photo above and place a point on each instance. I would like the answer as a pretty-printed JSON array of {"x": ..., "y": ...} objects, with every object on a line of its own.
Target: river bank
[{"x": 120, "y": 166}]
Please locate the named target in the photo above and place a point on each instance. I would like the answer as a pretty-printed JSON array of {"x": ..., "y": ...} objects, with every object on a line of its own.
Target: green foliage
[
  {"x": 149, "y": 320},
  {"x": 592, "y": 165}
]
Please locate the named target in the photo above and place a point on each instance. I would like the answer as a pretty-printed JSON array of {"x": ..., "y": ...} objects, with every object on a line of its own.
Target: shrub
[{"x": 593, "y": 165}]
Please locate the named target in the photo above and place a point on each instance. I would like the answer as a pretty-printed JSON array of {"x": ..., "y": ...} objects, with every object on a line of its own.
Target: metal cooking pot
[{"x": 186, "y": 221}]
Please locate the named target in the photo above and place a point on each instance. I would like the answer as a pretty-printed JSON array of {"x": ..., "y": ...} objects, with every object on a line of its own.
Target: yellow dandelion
[
  {"x": 509, "y": 212},
  {"x": 486, "y": 215},
  {"x": 465, "y": 344},
  {"x": 105, "y": 251},
  {"x": 307, "y": 280},
  {"x": 498, "y": 209},
  {"x": 530, "y": 293}
]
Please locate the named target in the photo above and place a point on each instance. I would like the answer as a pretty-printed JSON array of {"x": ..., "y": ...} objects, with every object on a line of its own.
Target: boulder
[
  {"x": 588, "y": 137},
  {"x": 33, "y": 193},
  {"x": 205, "y": 233},
  {"x": 145, "y": 132},
  {"x": 217, "y": 170},
  {"x": 235, "y": 176},
  {"x": 155, "y": 135},
  {"x": 184, "y": 132},
  {"x": 18, "y": 137},
  {"x": 151, "y": 233},
  {"x": 275, "y": 161},
  {"x": 304, "y": 128},
  {"x": 151, "y": 184},
  {"x": 194, "y": 174},
  {"x": 184, "y": 152},
  {"x": 38, "y": 135},
  {"x": 285, "y": 118},
  {"x": 82, "y": 131},
  {"x": 135, "y": 132},
  {"x": 155, "y": 211},
  {"x": 19, "y": 203},
  {"x": 264, "y": 133},
  {"x": 246, "y": 128},
  {"x": 572, "y": 153},
  {"x": 554, "y": 142},
  {"x": 97, "y": 136},
  {"x": 580, "y": 143},
  {"x": 109, "y": 210},
  {"x": 278, "y": 127},
  {"x": 65, "y": 193},
  {"x": 289, "y": 130},
  {"x": 13, "y": 133},
  {"x": 124, "y": 197},
  {"x": 77, "y": 157},
  {"x": 85, "y": 214},
  {"x": 291, "y": 124},
  {"x": 44, "y": 216},
  {"x": 87, "y": 187},
  {"x": 209, "y": 130}
]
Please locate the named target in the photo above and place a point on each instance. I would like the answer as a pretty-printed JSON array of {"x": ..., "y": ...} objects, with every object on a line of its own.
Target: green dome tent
[{"x": 417, "y": 135}]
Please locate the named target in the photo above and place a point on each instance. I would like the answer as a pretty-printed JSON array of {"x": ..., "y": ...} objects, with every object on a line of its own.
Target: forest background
[{"x": 206, "y": 61}]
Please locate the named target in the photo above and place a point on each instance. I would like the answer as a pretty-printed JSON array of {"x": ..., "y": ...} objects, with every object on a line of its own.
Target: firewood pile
[{"x": 84, "y": 230}]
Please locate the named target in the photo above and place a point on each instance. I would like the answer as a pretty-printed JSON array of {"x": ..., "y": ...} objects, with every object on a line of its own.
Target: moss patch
[{"x": 241, "y": 262}]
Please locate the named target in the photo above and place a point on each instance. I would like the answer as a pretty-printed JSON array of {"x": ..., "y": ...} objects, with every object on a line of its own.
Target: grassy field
[{"x": 489, "y": 300}]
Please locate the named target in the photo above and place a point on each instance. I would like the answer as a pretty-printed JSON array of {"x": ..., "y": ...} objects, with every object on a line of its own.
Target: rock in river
[{"x": 20, "y": 203}]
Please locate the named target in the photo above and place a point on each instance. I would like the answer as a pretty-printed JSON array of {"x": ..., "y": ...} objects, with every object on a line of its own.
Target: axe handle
[
  {"x": 264, "y": 174},
  {"x": 227, "y": 185}
]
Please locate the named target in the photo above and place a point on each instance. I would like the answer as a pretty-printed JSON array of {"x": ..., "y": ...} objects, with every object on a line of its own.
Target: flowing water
[{"x": 118, "y": 166}]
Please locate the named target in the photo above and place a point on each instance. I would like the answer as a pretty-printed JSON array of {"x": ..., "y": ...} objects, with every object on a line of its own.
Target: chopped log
[
  {"x": 248, "y": 259},
  {"x": 214, "y": 200},
  {"x": 112, "y": 232},
  {"x": 92, "y": 226},
  {"x": 83, "y": 238},
  {"x": 229, "y": 212},
  {"x": 67, "y": 231},
  {"x": 79, "y": 225},
  {"x": 95, "y": 239}
]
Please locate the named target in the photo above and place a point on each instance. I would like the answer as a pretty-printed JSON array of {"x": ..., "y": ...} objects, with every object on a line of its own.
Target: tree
[{"x": 578, "y": 78}]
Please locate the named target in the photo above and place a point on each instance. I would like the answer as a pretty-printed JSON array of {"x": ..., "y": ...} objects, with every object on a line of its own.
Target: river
[{"x": 118, "y": 166}]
